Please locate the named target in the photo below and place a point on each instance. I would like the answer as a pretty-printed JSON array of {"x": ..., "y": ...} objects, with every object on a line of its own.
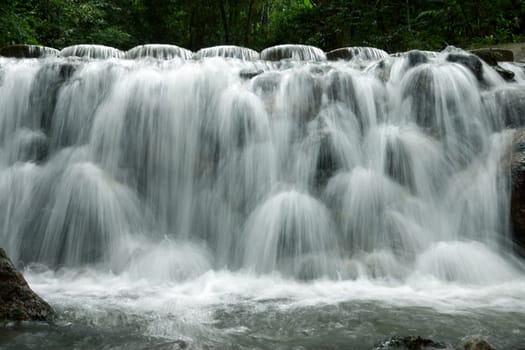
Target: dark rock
[
  {"x": 27, "y": 51},
  {"x": 305, "y": 92},
  {"x": 17, "y": 301},
  {"x": 475, "y": 344},
  {"x": 504, "y": 73},
  {"x": 411, "y": 343},
  {"x": 248, "y": 73},
  {"x": 364, "y": 53},
  {"x": 420, "y": 89},
  {"x": 339, "y": 54},
  {"x": 44, "y": 92},
  {"x": 510, "y": 103},
  {"x": 398, "y": 163},
  {"x": 328, "y": 162},
  {"x": 472, "y": 62},
  {"x": 416, "y": 57},
  {"x": 340, "y": 87},
  {"x": 493, "y": 56},
  {"x": 517, "y": 169}
]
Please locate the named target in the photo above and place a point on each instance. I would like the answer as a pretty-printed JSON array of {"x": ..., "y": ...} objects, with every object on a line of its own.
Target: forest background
[{"x": 393, "y": 25}]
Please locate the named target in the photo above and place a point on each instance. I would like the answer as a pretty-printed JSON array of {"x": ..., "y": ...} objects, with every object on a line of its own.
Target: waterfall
[
  {"x": 379, "y": 168},
  {"x": 158, "y": 51},
  {"x": 232, "y": 51}
]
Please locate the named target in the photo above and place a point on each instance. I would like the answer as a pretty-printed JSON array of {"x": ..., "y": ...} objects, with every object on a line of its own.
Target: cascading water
[
  {"x": 231, "y": 51},
  {"x": 158, "y": 51},
  {"x": 186, "y": 199}
]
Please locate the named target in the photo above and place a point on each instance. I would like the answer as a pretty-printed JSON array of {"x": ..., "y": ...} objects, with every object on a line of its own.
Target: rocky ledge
[
  {"x": 419, "y": 343},
  {"x": 17, "y": 301}
]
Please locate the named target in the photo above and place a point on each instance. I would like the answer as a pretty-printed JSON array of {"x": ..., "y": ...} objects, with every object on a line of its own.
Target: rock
[
  {"x": 411, "y": 343},
  {"x": 493, "y": 56},
  {"x": 517, "y": 203},
  {"x": 505, "y": 73},
  {"x": 472, "y": 62},
  {"x": 416, "y": 57},
  {"x": 518, "y": 50},
  {"x": 364, "y": 53},
  {"x": 17, "y": 301},
  {"x": 249, "y": 73},
  {"x": 28, "y": 51},
  {"x": 510, "y": 106},
  {"x": 475, "y": 344}
]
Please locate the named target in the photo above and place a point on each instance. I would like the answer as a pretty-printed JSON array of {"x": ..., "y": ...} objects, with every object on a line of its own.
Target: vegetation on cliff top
[{"x": 389, "y": 24}]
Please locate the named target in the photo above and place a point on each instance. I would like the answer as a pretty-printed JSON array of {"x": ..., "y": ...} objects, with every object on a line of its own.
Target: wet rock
[
  {"x": 517, "y": 169},
  {"x": 420, "y": 89},
  {"x": 510, "y": 106},
  {"x": 504, "y": 73},
  {"x": 17, "y": 301},
  {"x": 28, "y": 146},
  {"x": 493, "y": 56},
  {"x": 475, "y": 344},
  {"x": 28, "y": 51},
  {"x": 411, "y": 343},
  {"x": 364, "y": 53},
  {"x": 172, "y": 345},
  {"x": 46, "y": 85},
  {"x": 328, "y": 162},
  {"x": 341, "y": 87},
  {"x": 415, "y": 58},
  {"x": 472, "y": 62},
  {"x": 339, "y": 54},
  {"x": 304, "y": 92},
  {"x": 249, "y": 73}
]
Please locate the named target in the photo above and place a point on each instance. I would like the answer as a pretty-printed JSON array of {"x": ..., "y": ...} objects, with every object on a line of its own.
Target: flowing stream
[{"x": 237, "y": 203}]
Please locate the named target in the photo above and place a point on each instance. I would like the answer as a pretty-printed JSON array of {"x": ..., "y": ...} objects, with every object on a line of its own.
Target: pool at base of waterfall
[{"x": 234, "y": 310}]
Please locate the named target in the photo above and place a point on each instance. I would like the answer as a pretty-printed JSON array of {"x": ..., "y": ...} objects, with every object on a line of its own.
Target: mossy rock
[
  {"x": 17, "y": 301},
  {"x": 493, "y": 56}
]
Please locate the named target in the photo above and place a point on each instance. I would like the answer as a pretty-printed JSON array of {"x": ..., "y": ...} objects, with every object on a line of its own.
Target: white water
[{"x": 172, "y": 191}]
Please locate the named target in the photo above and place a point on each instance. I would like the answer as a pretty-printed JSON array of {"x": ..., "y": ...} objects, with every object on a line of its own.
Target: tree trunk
[
  {"x": 224, "y": 22},
  {"x": 248, "y": 24}
]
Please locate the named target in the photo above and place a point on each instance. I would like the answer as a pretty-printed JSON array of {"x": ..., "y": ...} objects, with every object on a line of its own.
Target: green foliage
[{"x": 389, "y": 24}]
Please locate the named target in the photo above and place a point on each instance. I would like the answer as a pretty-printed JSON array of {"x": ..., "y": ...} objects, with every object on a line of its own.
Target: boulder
[
  {"x": 28, "y": 51},
  {"x": 17, "y": 301},
  {"x": 493, "y": 56},
  {"x": 411, "y": 343},
  {"x": 415, "y": 58},
  {"x": 472, "y": 62},
  {"x": 517, "y": 169},
  {"x": 475, "y": 344},
  {"x": 504, "y": 73}
]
